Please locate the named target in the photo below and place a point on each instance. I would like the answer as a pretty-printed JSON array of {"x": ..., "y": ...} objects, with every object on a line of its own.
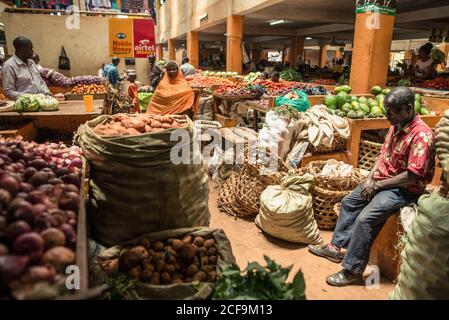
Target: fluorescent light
[
  {"x": 122, "y": 16},
  {"x": 1, "y": 24},
  {"x": 276, "y": 22},
  {"x": 308, "y": 38},
  {"x": 203, "y": 16},
  {"x": 225, "y": 34}
]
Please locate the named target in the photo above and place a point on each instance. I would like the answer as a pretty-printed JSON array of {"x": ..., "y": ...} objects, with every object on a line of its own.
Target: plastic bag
[
  {"x": 144, "y": 100},
  {"x": 297, "y": 99}
]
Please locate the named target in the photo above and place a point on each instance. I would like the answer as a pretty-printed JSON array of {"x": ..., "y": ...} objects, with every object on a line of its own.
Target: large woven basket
[
  {"x": 239, "y": 195},
  {"x": 338, "y": 144},
  {"x": 369, "y": 151}
]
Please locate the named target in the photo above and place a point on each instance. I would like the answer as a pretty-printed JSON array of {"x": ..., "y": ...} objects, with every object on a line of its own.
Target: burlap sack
[
  {"x": 135, "y": 188},
  {"x": 286, "y": 211},
  {"x": 425, "y": 268},
  {"x": 173, "y": 291}
]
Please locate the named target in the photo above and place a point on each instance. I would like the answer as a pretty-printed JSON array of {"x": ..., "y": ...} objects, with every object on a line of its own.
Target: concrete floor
[{"x": 250, "y": 244}]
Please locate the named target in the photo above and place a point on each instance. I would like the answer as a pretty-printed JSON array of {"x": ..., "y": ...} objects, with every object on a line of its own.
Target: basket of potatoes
[{"x": 168, "y": 264}]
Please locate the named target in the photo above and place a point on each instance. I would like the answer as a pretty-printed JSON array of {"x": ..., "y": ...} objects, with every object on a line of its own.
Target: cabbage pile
[{"x": 35, "y": 102}]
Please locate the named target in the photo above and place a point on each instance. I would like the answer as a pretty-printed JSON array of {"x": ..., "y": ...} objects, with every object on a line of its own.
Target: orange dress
[
  {"x": 132, "y": 93},
  {"x": 172, "y": 96}
]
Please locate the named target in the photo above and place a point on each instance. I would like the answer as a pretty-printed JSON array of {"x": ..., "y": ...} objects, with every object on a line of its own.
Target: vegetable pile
[
  {"x": 354, "y": 107},
  {"x": 54, "y": 78},
  {"x": 202, "y": 81},
  {"x": 324, "y": 81},
  {"x": 259, "y": 283},
  {"x": 172, "y": 261},
  {"x": 233, "y": 90},
  {"x": 89, "y": 89},
  {"x": 123, "y": 124},
  {"x": 276, "y": 89},
  {"x": 220, "y": 74},
  {"x": 290, "y": 75},
  {"x": 39, "y": 199},
  {"x": 440, "y": 83},
  {"x": 79, "y": 80},
  {"x": 28, "y": 102},
  {"x": 252, "y": 76}
]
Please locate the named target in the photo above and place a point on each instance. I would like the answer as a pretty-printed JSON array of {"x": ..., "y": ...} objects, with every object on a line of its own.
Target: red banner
[{"x": 144, "y": 39}]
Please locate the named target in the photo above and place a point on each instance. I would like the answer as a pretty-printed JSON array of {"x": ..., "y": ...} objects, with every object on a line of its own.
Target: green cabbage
[{"x": 28, "y": 102}]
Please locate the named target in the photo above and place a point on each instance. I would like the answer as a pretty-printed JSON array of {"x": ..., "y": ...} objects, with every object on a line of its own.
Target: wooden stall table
[
  {"x": 227, "y": 101},
  {"x": 69, "y": 117}
]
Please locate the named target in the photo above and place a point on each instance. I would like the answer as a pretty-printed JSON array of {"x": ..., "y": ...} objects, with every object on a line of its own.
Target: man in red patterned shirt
[{"x": 404, "y": 168}]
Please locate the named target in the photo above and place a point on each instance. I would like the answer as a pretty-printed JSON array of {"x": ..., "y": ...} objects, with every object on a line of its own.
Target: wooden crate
[
  {"x": 25, "y": 129},
  {"x": 226, "y": 122},
  {"x": 56, "y": 89}
]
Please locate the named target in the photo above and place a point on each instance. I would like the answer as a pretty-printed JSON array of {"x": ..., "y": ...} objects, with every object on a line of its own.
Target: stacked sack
[{"x": 425, "y": 258}]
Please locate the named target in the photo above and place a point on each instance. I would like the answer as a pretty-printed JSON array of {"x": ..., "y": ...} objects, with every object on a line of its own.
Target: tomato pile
[
  {"x": 202, "y": 81},
  {"x": 437, "y": 83},
  {"x": 233, "y": 90}
]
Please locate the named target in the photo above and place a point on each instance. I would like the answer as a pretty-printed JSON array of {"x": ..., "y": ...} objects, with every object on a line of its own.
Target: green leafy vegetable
[
  {"x": 290, "y": 75},
  {"x": 119, "y": 287},
  {"x": 258, "y": 282},
  {"x": 35, "y": 102}
]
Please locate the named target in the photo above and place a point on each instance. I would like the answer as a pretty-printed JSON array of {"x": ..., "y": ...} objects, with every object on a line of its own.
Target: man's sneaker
[
  {"x": 344, "y": 278},
  {"x": 323, "y": 251}
]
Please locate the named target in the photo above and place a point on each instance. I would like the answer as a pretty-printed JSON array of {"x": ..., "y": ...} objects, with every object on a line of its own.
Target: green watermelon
[
  {"x": 342, "y": 98},
  {"x": 418, "y": 107},
  {"x": 346, "y": 107},
  {"x": 424, "y": 111},
  {"x": 365, "y": 108},
  {"x": 330, "y": 101},
  {"x": 363, "y": 100},
  {"x": 354, "y": 98},
  {"x": 386, "y": 91},
  {"x": 344, "y": 88},
  {"x": 418, "y": 98},
  {"x": 376, "y": 90},
  {"x": 380, "y": 97},
  {"x": 352, "y": 114},
  {"x": 341, "y": 113},
  {"x": 360, "y": 114},
  {"x": 376, "y": 110}
]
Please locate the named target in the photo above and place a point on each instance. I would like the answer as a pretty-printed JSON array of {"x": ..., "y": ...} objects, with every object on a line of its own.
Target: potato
[
  {"x": 146, "y": 243},
  {"x": 128, "y": 260},
  {"x": 169, "y": 241},
  {"x": 132, "y": 131},
  {"x": 196, "y": 261},
  {"x": 202, "y": 251},
  {"x": 151, "y": 252},
  {"x": 176, "y": 275},
  {"x": 204, "y": 261},
  {"x": 187, "y": 253},
  {"x": 165, "y": 278},
  {"x": 189, "y": 279},
  {"x": 169, "y": 268},
  {"x": 111, "y": 267},
  {"x": 135, "y": 272},
  {"x": 195, "y": 249},
  {"x": 170, "y": 251},
  {"x": 156, "y": 257},
  {"x": 146, "y": 264},
  {"x": 213, "y": 259},
  {"x": 172, "y": 260},
  {"x": 200, "y": 276},
  {"x": 212, "y": 276},
  {"x": 212, "y": 251},
  {"x": 198, "y": 241},
  {"x": 176, "y": 281},
  {"x": 177, "y": 244},
  {"x": 158, "y": 245},
  {"x": 209, "y": 243},
  {"x": 209, "y": 268},
  {"x": 155, "y": 278},
  {"x": 165, "y": 126},
  {"x": 159, "y": 265},
  {"x": 141, "y": 252},
  {"x": 191, "y": 270},
  {"x": 187, "y": 239},
  {"x": 146, "y": 275}
]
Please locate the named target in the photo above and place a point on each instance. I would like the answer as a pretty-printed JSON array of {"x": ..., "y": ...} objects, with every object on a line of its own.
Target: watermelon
[
  {"x": 418, "y": 107},
  {"x": 342, "y": 98},
  {"x": 330, "y": 101},
  {"x": 376, "y": 90}
]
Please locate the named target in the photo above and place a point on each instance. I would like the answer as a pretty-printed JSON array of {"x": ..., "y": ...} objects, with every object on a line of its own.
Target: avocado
[{"x": 376, "y": 90}]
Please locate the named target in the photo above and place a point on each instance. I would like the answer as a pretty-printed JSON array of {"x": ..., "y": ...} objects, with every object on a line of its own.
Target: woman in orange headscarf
[{"x": 173, "y": 95}]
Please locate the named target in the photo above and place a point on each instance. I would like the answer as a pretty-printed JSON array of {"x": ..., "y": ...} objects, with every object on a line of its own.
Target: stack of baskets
[
  {"x": 369, "y": 151},
  {"x": 328, "y": 191},
  {"x": 239, "y": 195}
]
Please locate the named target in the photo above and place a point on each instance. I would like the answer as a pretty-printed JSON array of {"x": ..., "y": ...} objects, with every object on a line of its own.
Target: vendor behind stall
[
  {"x": 425, "y": 66},
  {"x": 20, "y": 74},
  {"x": 402, "y": 171},
  {"x": 173, "y": 95},
  {"x": 156, "y": 72},
  {"x": 275, "y": 76},
  {"x": 111, "y": 72},
  {"x": 186, "y": 68}
]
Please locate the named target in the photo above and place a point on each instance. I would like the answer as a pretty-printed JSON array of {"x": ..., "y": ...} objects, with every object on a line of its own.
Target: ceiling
[{"x": 324, "y": 19}]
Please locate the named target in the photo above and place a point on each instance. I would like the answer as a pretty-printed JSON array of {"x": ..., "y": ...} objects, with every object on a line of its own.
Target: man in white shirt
[
  {"x": 186, "y": 68},
  {"x": 20, "y": 73}
]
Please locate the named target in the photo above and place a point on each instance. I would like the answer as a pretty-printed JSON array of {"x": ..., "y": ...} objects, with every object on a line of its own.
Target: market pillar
[
  {"x": 323, "y": 55},
  {"x": 160, "y": 52},
  {"x": 192, "y": 48},
  {"x": 370, "y": 56},
  {"x": 299, "y": 51},
  {"x": 234, "y": 43},
  {"x": 292, "y": 51},
  {"x": 171, "y": 49},
  {"x": 337, "y": 54}
]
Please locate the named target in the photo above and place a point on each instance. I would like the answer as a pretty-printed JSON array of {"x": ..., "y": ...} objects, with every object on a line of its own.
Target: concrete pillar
[
  {"x": 171, "y": 49},
  {"x": 292, "y": 51},
  {"x": 323, "y": 56},
  {"x": 371, "y": 52},
  {"x": 299, "y": 51},
  {"x": 160, "y": 52},
  {"x": 234, "y": 43},
  {"x": 192, "y": 48}
]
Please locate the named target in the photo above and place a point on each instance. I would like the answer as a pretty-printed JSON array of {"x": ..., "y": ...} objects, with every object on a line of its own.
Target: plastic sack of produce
[
  {"x": 111, "y": 263},
  {"x": 425, "y": 270},
  {"x": 277, "y": 133},
  {"x": 286, "y": 211},
  {"x": 297, "y": 99},
  {"x": 205, "y": 108},
  {"x": 144, "y": 100},
  {"x": 135, "y": 188},
  {"x": 442, "y": 144}
]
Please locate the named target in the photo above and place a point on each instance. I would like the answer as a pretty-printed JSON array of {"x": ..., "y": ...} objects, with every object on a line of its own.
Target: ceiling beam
[
  {"x": 422, "y": 15},
  {"x": 282, "y": 13},
  {"x": 336, "y": 27},
  {"x": 428, "y": 26},
  {"x": 267, "y": 39},
  {"x": 259, "y": 31}
]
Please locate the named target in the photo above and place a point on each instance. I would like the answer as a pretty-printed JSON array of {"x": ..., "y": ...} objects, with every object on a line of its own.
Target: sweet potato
[
  {"x": 132, "y": 131},
  {"x": 209, "y": 243},
  {"x": 156, "y": 124},
  {"x": 165, "y": 126},
  {"x": 59, "y": 257},
  {"x": 167, "y": 119},
  {"x": 138, "y": 124}
]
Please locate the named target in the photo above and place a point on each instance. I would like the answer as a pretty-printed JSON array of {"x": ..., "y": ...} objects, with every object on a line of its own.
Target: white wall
[{"x": 87, "y": 48}]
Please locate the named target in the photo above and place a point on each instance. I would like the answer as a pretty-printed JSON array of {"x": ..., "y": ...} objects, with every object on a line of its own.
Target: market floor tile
[{"x": 250, "y": 244}]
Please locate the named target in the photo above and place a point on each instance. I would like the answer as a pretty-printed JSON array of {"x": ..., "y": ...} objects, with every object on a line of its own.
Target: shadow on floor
[{"x": 282, "y": 243}]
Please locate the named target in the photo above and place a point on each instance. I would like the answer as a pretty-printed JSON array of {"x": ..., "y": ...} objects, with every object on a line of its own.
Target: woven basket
[
  {"x": 226, "y": 197},
  {"x": 369, "y": 151},
  {"x": 324, "y": 202}
]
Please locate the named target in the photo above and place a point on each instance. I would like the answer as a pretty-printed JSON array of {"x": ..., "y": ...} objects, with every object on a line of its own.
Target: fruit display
[
  {"x": 252, "y": 76},
  {"x": 233, "y": 90},
  {"x": 222, "y": 74},
  {"x": 209, "y": 81},
  {"x": 89, "y": 89},
  {"x": 439, "y": 83},
  {"x": 79, "y": 80},
  {"x": 124, "y": 124},
  {"x": 39, "y": 197},
  {"x": 54, "y": 78},
  {"x": 164, "y": 262},
  {"x": 355, "y": 107}
]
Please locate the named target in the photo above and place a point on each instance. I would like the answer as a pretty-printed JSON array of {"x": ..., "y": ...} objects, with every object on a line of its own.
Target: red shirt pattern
[{"x": 411, "y": 149}]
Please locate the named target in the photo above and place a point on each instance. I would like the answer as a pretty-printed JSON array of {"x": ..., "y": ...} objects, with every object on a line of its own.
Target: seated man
[{"x": 404, "y": 168}]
